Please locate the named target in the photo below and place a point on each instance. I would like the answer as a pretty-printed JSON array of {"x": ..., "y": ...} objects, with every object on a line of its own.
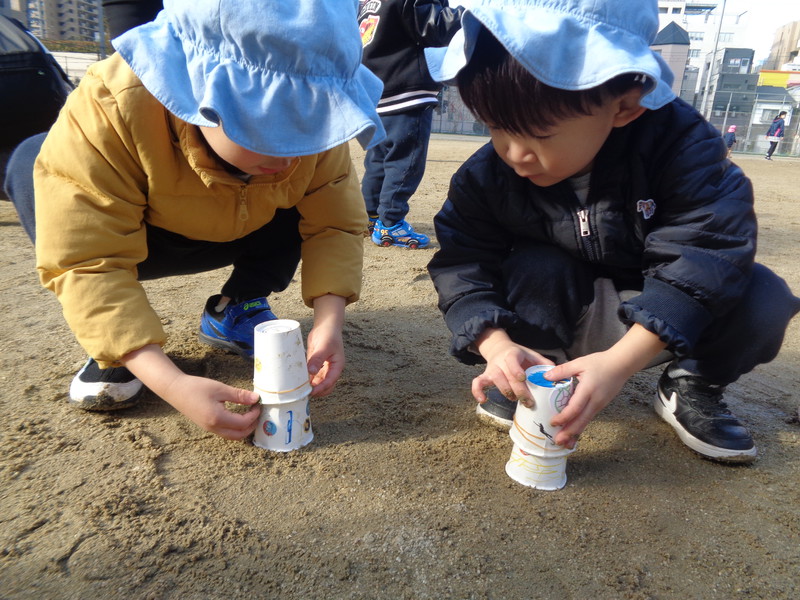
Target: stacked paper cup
[
  {"x": 281, "y": 380},
  {"x": 536, "y": 460}
]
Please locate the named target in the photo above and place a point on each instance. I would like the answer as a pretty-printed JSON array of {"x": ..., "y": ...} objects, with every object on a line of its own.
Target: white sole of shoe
[
  {"x": 104, "y": 396},
  {"x": 493, "y": 420},
  {"x": 665, "y": 409}
]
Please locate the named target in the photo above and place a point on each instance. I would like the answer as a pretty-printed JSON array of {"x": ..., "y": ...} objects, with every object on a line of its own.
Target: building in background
[
  {"x": 14, "y": 9},
  {"x": 709, "y": 26},
  {"x": 731, "y": 70},
  {"x": 785, "y": 51},
  {"x": 68, "y": 20},
  {"x": 672, "y": 43}
]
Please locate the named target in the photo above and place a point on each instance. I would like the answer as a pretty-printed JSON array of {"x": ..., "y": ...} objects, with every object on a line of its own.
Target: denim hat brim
[
  {"x": 271, "y": 90},
  {"x": 570, "y": 44}
]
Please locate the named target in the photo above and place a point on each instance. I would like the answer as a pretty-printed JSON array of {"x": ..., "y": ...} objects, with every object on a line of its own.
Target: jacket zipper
[
  {"x": 586, "y": 233},
  {"x": 244, "y": 213}
]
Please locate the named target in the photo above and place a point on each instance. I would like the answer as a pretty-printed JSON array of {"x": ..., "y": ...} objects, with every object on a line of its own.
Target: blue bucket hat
[
  {"x": 281, "y": 78},
  {"x": 566, "y": 44}
]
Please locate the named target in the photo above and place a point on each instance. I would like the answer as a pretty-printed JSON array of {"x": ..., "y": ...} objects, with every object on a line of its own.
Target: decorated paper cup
[
  {"x": 532, "y": 430},
  {"x": 547, "y": 473},
  {"x": 279, "y": 359},
  {"x": 284, "y": 427}
]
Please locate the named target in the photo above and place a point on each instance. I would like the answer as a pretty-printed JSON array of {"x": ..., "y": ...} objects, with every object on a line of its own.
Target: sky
[{"x": 764, "y": 19}]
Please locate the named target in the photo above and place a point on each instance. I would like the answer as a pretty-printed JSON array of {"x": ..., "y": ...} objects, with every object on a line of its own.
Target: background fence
[{"x": 751, "y": 114}]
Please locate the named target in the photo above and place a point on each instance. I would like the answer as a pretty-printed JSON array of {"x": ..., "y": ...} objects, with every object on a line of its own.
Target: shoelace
[{"x": 706, "y": 397}]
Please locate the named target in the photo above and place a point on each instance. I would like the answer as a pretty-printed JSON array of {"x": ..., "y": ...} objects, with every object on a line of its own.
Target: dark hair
[
  {"x": 780, "y": 114},
  {"x": 502, "y": 93}
]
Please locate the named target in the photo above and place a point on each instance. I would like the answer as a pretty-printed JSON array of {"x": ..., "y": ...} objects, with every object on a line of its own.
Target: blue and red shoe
[
  {"x": 401, "y": 234},
  {"x": 232, "y": 328}
]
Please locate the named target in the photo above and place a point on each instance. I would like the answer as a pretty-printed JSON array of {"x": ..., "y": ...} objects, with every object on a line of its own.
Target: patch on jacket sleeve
[
  {"x": 646, "y": 207},
  {"x": 369, "y": 27}
]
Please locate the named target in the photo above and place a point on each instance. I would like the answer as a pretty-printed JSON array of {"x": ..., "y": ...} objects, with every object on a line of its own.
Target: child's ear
[{"x": 628, "y": 107}]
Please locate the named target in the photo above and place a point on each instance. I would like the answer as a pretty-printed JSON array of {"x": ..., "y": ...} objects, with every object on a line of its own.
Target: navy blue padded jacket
[{"x": 667, "y": 213}]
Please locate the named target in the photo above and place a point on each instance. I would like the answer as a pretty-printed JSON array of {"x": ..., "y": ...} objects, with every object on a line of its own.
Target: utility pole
[{"x": 707, "y": 109}]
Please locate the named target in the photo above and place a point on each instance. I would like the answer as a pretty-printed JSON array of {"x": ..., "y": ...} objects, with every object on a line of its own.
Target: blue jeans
[
  {"x": 263, "y": 262},
  {"x": 394, "y": 168}
]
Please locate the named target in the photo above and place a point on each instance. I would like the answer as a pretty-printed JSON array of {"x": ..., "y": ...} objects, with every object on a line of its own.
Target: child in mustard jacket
[{"x": 215, "y": 136}]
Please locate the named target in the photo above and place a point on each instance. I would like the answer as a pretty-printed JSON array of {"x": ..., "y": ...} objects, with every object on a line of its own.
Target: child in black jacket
[{"x": 603, "y": 227}]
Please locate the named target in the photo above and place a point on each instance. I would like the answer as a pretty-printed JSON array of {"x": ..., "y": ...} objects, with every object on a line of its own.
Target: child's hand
[
  {"x": 601, "y": 376},
  {"x": 199, "y": 399},
  {"x": 203, "y": 400},
  {"x": 325, "y": 345},
  {"x": 600, "y": 380},
  {"x": 506, "y": 362},
  {"x": 325, "y": 359}
]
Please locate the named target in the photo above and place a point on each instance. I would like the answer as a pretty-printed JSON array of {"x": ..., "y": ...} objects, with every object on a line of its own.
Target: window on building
[
  {"x": 694, "y": 53},
  {"x": 697, "y": 36},
  {"x": 676, "y": 10},
  {"x": 725, "y": 37},
  {"x": 662, "y": 10}
]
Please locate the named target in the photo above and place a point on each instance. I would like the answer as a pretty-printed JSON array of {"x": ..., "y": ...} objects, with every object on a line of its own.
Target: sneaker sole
[
  {"x": 702, "y": 448},
  {"x": 401, "y": 245},
  {"x": 97, "y": 399},
  {"x": 493, "y": 420},
  {"x": 223, "y": 345}
]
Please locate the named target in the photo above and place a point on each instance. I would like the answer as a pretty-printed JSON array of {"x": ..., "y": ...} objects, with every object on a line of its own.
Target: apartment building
[
  {"x": 64, "y": 19},
  {"x": 14, "y": 9}
]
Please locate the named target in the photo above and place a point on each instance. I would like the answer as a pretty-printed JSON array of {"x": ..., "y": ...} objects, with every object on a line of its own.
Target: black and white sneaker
[
  {"x": 94, "y": 388},
  {"x": 696, "y": 411},
  {"x": 498, "y": 411}
]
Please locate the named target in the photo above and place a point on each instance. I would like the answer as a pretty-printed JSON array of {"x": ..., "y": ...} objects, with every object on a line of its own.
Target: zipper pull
[
  {"x": 244, "y": 214},
  {"x": 583, "y": 217}
]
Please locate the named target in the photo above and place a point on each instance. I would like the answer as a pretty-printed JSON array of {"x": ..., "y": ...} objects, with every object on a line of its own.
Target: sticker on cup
[{"x": 284, "y": 427}]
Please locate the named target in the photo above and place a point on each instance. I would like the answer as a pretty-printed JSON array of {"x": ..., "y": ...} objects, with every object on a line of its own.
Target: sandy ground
[{"x": 402, "y": 493}]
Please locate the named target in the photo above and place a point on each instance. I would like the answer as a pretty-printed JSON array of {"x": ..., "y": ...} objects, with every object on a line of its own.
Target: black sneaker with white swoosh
[{"x": 695, "y": 410}]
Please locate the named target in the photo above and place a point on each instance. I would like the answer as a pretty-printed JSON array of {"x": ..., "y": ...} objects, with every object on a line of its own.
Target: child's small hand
[
  {"x": 506, "y": 362},
  {"x": 600, "y": 379},
  {"x": 325, "y": 360},
  {"x": 203, "y": 402},
  {"x": 325, "y": 345}
]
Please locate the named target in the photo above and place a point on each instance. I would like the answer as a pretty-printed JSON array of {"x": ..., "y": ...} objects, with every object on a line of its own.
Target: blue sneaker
[
  {"x": 400, "y": 234},
  {"x": 232, "y": 328},
  {"x": 372, "y": 220}
]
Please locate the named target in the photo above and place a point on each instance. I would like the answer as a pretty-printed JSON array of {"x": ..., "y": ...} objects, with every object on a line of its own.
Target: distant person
[
  {"x": 394, "y": 34},
  {"x": 730, "y": 139},
  {"x": 122, "y": 15},
  {"x": 175, "y": 156},
  {"x": 602, "y": 226},
  {"x": 775, "y": 133}
]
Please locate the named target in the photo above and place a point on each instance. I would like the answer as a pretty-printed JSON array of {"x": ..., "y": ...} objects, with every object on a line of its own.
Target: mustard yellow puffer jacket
[{"x": 116, "y": 159}]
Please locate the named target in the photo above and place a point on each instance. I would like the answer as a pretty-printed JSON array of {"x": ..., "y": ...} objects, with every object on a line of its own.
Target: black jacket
[
  {"x": 667, "y": 213},
  {"x": 394, "y": 34}
]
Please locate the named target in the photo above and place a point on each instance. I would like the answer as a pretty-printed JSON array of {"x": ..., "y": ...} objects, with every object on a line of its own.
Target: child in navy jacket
[{"x": 603, "y": 228}]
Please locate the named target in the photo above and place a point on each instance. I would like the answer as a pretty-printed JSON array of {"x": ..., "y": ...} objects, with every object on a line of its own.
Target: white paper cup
[
  {"x": 279, "y": 360},
  {"x": 547, "y": 473},
  {"x": 532, "y": 430},
  {"x": 284, "y": 427}
]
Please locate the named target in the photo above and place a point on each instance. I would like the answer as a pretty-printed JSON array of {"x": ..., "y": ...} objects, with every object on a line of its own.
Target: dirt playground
[{"x": 402, "y": 493}]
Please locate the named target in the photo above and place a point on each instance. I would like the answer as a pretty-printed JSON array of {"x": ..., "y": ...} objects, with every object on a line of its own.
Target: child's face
[
  {"x": 567, "y": 149},
  {"x": 241, "y": 158}
]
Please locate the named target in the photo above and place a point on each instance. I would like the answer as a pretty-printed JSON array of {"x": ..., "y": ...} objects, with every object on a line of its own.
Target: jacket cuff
[
  {"x": 675, "y": 317},
  {"x": 468, "y": 317}
]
